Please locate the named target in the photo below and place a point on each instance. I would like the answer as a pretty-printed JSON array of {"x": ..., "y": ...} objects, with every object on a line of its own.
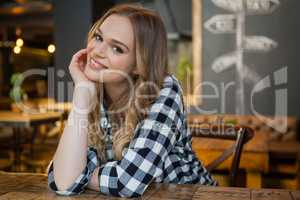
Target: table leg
[
  {"x": 32, "y": 140},
  {"x": 253, "y": 180},
  {"x": 17, "y": 148}
]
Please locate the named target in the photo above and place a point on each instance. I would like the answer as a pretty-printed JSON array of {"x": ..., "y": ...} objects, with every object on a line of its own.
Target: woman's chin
[
  {"x": 91, "y": 75},
  {"x": 103, "y": 76}
]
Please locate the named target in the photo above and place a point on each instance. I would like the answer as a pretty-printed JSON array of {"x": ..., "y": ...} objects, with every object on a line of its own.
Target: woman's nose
[{"x": 101, "y": 49}]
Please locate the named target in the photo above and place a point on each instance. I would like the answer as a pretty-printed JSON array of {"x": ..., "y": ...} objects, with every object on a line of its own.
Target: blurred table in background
[
  {"x": 63, "y": 107},
  {"x": 19, "y": 121},
  {"x": 49, "y": 104}
]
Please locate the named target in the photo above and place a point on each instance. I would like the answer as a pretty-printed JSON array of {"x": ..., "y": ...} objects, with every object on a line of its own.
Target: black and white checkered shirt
[{"x": 160, "y": 151}]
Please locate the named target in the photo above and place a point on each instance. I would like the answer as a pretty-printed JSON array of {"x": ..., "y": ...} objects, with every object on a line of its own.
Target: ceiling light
[
  {"x": 51, "y": 48},
  {"x": 17, "y": 49},
  {"x": 19, "y": 42}
]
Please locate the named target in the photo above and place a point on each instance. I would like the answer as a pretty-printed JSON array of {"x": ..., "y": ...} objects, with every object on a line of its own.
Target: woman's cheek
[{"x": 122, "y": 63}]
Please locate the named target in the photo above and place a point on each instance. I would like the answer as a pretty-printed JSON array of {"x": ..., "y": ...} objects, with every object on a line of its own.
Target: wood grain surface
[{"x": 25, "y": 186}]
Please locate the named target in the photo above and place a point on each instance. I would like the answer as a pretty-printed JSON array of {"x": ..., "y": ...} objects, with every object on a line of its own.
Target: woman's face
[{"x": 111, "y": 51}]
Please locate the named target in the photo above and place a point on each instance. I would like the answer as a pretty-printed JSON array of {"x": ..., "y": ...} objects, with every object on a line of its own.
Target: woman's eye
[
  {"x": 117, "y": 49},
  {"x": 98, "y": 37}
]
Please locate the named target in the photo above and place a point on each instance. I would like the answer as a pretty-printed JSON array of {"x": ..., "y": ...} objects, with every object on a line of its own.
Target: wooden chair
[{"x": 240, "y": 134}]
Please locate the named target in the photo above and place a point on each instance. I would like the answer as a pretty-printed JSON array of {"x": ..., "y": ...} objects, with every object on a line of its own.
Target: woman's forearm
[{"x": 71, "y": 155}]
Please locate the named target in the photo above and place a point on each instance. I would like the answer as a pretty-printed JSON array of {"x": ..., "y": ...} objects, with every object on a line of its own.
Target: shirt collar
[{"x": 104, "y": 122}]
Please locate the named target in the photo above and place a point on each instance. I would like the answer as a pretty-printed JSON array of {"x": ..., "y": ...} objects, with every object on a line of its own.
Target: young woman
[{"x": 127, "y": 127}]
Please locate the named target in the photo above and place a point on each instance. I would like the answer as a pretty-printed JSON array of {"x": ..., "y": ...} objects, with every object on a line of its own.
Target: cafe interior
[{"x": 237, "y": 67}]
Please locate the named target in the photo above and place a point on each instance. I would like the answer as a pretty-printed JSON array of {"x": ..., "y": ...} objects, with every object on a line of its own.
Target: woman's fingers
[
  {"x": 77, "y": 65},
  {"x": 81, "y": 54}
]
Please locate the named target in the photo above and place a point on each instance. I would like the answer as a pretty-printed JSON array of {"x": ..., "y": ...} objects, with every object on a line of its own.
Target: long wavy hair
[{"x": 152, "y": 65}]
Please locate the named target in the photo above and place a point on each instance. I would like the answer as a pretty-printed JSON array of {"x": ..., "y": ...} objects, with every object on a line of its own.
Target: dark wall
[
  {"x": 282, "y": 26},
  {"x": 72, "y": 21}
]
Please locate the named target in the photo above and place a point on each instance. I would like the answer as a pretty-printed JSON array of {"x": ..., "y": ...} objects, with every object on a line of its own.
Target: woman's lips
[{"x": 96, "y": 64}]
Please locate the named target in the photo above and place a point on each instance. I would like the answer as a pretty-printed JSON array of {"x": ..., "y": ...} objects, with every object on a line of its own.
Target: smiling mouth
[{"x": 96, "y": 64}]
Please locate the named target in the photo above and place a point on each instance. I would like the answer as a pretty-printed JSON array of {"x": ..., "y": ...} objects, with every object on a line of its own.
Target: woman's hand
[
  {"x": 85, "y": 89},
  {"x": 77, "y": 66}
]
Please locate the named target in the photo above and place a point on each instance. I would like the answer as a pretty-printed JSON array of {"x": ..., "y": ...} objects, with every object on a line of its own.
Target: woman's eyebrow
[{"x": 115, "y": 41}]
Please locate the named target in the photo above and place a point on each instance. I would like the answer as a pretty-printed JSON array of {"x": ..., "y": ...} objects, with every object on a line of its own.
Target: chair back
[{"x": 240, "y": 134}]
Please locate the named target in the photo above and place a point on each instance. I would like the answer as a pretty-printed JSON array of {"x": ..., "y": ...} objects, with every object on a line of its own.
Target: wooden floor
[{"x": 25, "y": 186}]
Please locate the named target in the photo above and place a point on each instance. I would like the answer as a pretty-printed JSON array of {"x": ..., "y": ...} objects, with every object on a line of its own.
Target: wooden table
[
  {"x": 62, "y": 107},
  {"x": 19, "y": 121},
  {"x": 8, "y": 118},
  {"x": 34, "y": 187},
  {"x": 57, "y": 106}
]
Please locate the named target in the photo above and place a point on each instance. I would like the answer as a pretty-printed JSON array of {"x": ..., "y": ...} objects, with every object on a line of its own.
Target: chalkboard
[{"x": 279, "y": 67}]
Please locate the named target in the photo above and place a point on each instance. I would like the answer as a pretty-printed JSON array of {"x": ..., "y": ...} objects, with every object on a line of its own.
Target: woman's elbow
[
  {"x": 61, "y": 184},
  {"x": 62, "y": 181}
]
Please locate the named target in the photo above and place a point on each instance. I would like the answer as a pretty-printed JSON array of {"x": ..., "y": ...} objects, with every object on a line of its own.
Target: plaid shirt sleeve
[
  {"x": 82, "y": 180},
  {"x": 143, "y": 161}
]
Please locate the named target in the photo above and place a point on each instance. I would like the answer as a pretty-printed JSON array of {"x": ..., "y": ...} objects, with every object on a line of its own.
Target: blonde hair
[{"x": 151, "y": 63}]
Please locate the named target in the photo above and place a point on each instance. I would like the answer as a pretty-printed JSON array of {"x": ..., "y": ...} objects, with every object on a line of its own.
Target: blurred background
[{"x": 237, "y": 66}]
